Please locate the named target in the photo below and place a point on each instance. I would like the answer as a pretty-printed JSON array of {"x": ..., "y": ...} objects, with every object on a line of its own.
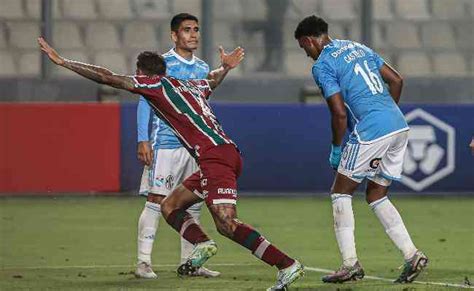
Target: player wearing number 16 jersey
[{"x": 352, "y": 79}]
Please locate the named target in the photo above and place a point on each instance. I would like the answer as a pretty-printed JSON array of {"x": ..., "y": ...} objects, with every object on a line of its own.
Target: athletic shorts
[
  {"x": 168, "y": 169},
  {"x": 381, "y": 161},
  {"x": 216, "y": 180}
]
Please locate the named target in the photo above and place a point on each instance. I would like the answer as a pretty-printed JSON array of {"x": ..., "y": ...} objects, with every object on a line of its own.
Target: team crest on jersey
[
  {"x": 169, "y": 182},
  {"x": 430, "y": 154}
]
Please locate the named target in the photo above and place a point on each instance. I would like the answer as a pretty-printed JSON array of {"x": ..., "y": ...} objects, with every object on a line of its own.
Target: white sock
[
  {"x": 344, "y": 227},
  {"x": 147, "y": 226},
  {"x": 394, "y": 226},
  {"x": 187, "y": 247}
]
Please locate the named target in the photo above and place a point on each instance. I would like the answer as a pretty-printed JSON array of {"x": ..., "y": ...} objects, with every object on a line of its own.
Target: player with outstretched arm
[
  {"x": 167, "y": 162},
  {"x": 184, "y": 106},
  {"x": 352, "y": 79}
]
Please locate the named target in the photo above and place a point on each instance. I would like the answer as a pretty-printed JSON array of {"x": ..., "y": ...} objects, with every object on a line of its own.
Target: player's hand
[
  {"x": 335, "y": 156},
  {"x": 145, "y": 153},
  {"x": 52, "y": 53},
  {"x": 233, "y": 59}
]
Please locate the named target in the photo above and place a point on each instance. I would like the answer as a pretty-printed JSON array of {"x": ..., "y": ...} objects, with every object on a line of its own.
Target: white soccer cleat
[
  {"x": 287, "y": 276},
  {"x": 144, "y": 271},
  {"x": 204, "y": 272}
]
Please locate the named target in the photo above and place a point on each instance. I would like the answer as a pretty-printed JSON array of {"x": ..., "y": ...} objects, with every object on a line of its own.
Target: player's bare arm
[
  {"x": 338, "y": 118},
  {"x": 95, "y": 73},
  {"x": 228, "y": 62},
  {"x": 394, "y": 81}
]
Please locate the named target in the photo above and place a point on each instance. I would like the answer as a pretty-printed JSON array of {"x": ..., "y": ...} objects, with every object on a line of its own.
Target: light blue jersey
[
  {"x": 162, "y": 137},
  {"x": 352, "y": 69}
]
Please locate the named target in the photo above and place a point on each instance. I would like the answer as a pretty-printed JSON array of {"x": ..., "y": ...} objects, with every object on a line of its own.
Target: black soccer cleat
[
  {"x": 413, "y": 268},
  {"x": 186, "y": 269}
]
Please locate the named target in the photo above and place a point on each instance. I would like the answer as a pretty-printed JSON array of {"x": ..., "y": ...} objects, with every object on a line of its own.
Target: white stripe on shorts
[{"x": 224, "y": 201}]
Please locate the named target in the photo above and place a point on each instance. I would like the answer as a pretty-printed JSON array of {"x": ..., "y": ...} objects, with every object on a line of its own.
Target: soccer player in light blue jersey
[
  {"x": 362, "y": 92},
  {"x": 167, "y": 162}
]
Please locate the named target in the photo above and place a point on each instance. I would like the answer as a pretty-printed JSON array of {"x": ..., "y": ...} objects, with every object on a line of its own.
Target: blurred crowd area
[
  {"x": 420, "y": 37},
  {"x": 426, "y": 38}
]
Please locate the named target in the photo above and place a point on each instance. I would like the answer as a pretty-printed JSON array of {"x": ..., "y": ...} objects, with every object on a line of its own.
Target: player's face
[
  {"x": 187, "y": 37},
  {"x": 307, "y": 44}
]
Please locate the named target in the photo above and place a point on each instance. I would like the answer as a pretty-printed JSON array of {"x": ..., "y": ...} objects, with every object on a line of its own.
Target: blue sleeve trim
[{"x": 143, "y": 120}]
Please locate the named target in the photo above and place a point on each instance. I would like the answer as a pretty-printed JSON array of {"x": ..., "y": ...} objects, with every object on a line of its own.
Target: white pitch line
[
  {"x": 313, "y": 269},
  {"x": 326, "y": 271}
]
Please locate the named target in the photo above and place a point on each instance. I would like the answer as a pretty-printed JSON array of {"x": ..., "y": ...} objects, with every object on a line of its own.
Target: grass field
[{"x": 89, "y": 243}]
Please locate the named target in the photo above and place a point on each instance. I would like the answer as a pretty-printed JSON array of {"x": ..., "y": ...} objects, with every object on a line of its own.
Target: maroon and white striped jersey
[{"x": 183, "y": 104}]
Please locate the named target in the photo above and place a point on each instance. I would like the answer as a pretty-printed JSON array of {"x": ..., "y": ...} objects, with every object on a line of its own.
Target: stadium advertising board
[{"x": 286, "y": 147}]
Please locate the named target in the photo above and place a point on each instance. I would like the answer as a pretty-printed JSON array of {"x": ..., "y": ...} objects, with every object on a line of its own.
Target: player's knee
[
  {"x": 166, "y": 208},
  {"x": 371, "y": 196},
  {"x": 226, "y": 226},
  {"x": 155, "y": 198}
]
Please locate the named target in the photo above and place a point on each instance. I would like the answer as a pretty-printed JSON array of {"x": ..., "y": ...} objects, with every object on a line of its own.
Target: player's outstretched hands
[
  {"x": 52, "y": 53},
  {"x": 232, "y": 59}
]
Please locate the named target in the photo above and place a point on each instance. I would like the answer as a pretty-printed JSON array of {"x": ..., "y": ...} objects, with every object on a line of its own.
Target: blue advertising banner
[{"x": 285, "y": 147}]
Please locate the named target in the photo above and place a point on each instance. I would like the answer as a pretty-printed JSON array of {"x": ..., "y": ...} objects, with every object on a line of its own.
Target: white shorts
[
  {"x": 169, "y": 168},
  {"x": 381, "y": 161}
]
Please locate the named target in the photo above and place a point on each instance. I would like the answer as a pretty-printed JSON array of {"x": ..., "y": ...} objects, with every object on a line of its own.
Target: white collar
[{"x": 189, "y": 62}]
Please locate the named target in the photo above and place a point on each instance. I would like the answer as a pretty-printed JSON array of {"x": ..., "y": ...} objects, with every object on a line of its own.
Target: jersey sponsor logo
[
  {"x": 342, "y": 49},
  {"x": 227, "y": 191},
  {"x": 430, "y": 154},
  {"x": 185, "y": 88}
]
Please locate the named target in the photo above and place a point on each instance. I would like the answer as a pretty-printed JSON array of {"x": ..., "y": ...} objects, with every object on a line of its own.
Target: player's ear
[
  {"x": 306, "y": 41},
  {"x": 174, "y": 36}
]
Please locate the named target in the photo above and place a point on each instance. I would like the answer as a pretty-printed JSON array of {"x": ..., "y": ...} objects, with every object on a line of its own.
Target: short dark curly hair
[
  {"x": 178, "y": 18},
  {"x": 311, "y": 26},
  {"x": 151, "y": 63}
]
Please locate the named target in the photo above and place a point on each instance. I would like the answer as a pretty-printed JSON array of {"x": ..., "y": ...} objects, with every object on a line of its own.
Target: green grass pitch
[{"x": 89, "y": 243}]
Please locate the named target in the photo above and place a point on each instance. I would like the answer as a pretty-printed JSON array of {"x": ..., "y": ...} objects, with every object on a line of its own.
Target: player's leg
[
  {"x": 355, "y": 165},
  {"x": 389, "y": 168},
  {"x": 174, "y": 206},
  {"x": 148, "y": 222},
  {"x": 344, "y": 226},
  {"x": 219, "y": 181},
  {"x": 188, "y": 166}
]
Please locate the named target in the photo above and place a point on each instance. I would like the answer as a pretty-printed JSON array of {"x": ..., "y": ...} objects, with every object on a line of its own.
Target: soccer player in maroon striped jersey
[{"x": 184, "y": 106}]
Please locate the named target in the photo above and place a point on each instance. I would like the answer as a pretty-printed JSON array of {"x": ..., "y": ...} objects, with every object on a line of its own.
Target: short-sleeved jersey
[
  {"x": 353, "y": 70},
  {"x": 183, "y": 105},
  {"x": 176, "y": 66}
]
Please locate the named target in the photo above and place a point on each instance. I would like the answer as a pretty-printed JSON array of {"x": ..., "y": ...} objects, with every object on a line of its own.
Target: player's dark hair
[
  {"x": 178, "y": 18},
  {"x": 151, "y": 63},
  {"x": 311, "y": 26}
]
